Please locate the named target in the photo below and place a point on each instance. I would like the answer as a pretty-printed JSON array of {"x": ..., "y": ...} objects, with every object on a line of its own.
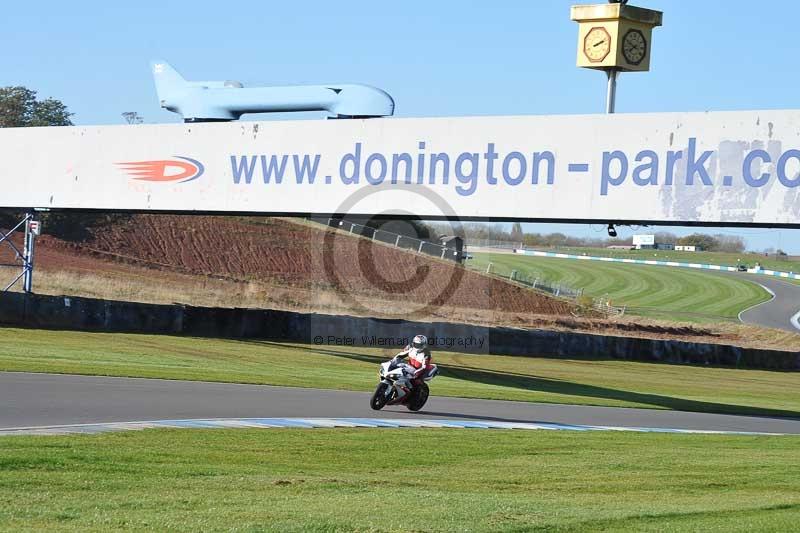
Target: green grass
[
  {"x": 586, "y": 382},
  {"x": 398, "y": 480},
  {"x": 652, "y": 291},
  {"x": 706, "y": 258}
]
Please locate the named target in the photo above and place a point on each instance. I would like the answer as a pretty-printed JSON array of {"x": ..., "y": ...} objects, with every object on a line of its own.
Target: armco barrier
[
  {"x": 87, "y": 314},
  {"x": 775, "y": 273}
]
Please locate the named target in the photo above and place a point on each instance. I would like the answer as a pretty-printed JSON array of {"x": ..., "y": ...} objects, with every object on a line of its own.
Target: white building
[{"x": 644, "y": 242}]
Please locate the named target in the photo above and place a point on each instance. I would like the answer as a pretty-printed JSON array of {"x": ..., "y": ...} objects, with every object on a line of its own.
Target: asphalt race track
[
  {"x": 35, "y": 400},
  {"x": 778, "y": 312}
]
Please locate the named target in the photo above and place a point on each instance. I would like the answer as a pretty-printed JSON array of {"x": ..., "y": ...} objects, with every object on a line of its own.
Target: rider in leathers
[{"x": 419, "y": 360}]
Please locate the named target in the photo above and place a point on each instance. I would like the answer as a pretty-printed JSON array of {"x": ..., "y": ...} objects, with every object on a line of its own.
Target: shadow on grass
[{"x": 555, "y": 386}]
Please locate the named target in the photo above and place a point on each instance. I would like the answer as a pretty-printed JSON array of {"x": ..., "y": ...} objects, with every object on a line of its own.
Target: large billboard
[
  {"x": 644, "y": 240},
  {"x": 703, "y": 168}
]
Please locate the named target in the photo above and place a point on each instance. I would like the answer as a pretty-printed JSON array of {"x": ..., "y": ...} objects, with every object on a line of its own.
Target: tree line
[{"x": 479, "y": 231}]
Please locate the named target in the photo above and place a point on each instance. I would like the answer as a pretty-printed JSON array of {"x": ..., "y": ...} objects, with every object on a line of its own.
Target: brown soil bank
[{"x": 297, "y": 255}]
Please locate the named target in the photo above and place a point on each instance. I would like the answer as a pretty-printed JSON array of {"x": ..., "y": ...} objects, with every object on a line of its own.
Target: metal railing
[
  {"x": 555, "y": 288},
  {"x": 494, "y": 243},
  {"x": 559, "y": 290},
  {"x": 395, "y": 239}
]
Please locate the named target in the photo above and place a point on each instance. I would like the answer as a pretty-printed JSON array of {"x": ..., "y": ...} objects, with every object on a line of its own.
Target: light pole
[{"x": 611, "y": 93}]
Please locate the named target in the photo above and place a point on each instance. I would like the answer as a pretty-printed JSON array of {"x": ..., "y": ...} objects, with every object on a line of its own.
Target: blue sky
[{"x": 435, "y": 58}]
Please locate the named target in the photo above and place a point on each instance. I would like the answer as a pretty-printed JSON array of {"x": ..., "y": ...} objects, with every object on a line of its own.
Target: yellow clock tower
[{"x": 615, "y": 37}]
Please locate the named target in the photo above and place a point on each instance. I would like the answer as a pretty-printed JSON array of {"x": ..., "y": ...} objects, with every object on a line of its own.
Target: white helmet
[{"x": 420, "y": 342}]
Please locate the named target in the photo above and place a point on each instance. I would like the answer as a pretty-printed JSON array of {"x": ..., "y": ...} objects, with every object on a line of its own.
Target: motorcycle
[{"x": 393, "y": 372}]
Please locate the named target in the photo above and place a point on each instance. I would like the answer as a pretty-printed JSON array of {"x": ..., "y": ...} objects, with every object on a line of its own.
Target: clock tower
[{"x": 615, "y": 36}]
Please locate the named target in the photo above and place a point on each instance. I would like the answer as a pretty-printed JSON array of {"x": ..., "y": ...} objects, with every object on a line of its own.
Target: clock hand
[{"x": 598, "y": 43}]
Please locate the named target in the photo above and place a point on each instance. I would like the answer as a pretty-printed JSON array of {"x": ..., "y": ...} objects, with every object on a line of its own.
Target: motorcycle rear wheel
[
  {"x": 420, "y": 396},
  {"x": 378, "y": 399}
]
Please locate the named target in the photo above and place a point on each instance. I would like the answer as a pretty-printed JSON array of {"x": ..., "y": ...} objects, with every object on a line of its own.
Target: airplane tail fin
[{"x": 167, "y": 81}]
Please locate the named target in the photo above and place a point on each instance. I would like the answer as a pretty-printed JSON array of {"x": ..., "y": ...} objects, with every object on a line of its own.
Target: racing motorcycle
[{"x": 392, "y": 373}]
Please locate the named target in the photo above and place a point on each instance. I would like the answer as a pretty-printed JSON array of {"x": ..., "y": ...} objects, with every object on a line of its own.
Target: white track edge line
[
  {"x": 795, "y": 320},
  {"x": 772, "y": 297},
  {"x": 112, "y": 426}
]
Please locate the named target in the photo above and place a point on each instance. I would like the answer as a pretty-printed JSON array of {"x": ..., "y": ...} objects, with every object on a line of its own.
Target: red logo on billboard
[{"x": 181, "y": 169}]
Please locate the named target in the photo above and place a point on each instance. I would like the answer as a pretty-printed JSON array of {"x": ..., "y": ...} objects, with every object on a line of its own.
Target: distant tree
[
  {"x": 701, "y": 240},
  {"x": 729, "y": 243},
  {"x": 665, "y": 237},
  {"x": 556, "y": 239},
  {"x": 516, "y": 232},
  {"x": 132, "y": 117},
  {"x": 19, "y": 108}
]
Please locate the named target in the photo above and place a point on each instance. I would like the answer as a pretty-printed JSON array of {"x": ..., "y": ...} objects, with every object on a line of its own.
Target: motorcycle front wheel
[
  {"x": 378, "y": 399},
  {"x": 420, "y": 396}
]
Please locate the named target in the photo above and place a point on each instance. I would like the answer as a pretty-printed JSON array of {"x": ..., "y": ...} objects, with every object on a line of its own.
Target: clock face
[
  {"x": 634, "y": 47},
  {"x": 597, "y": 44}
]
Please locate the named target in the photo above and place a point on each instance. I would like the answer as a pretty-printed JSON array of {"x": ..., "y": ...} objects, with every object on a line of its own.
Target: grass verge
[
  {"x": 653, "y": 291},
  {"x": 398, "y": 480},
  {"x": 585, "y": 382}
]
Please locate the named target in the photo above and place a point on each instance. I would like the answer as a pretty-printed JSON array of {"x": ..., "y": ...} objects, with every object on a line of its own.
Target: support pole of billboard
[
  {"x": 611, "y": 94},
  {"x": 31, "y": 231},
  {"x": 31, "y": 227}
]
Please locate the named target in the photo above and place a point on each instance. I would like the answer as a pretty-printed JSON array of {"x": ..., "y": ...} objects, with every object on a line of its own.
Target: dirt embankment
[{"x": 288, "y": 254}]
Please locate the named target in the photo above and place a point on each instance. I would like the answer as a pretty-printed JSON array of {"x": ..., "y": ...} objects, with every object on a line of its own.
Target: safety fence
[
  {"x": 558, "y": 289},
  {"x": 720, "y": 268},
  {"x": 394, "y": 239},
  {"x": 494, "y": 243}
]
